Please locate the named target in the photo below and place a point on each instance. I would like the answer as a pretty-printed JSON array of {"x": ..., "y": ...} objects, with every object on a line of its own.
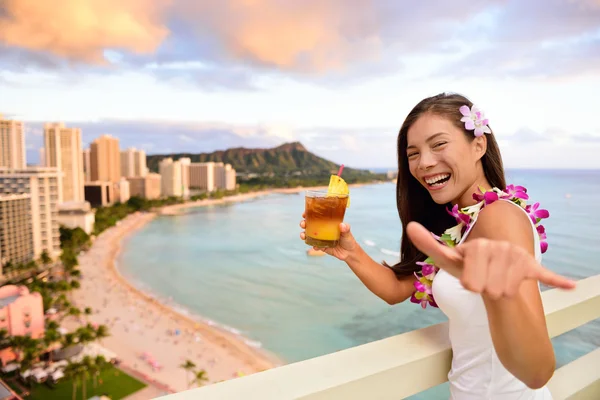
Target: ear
[{"x": 479, "y": 146}]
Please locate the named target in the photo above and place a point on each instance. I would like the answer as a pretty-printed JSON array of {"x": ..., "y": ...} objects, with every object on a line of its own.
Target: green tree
[
  {"x": 45, "y": 258},
  {"x": 102, "y": 332},
  {"x": 75, "y": 372},
  {"x": 51, "y": 336},
  {"x": 69, "y": 259},
  {"x": 99, "y": 364},
  {"x": 188, "y": 366},
  {"x": 200, "y": 377}
]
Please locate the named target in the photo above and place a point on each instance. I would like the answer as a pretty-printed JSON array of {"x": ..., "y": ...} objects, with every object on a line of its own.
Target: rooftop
[{"x": 8, "y": 300}]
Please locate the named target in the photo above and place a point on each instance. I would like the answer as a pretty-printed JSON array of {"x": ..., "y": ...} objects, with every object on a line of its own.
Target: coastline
[
  {"x": 139, "y": 323},
  {"x": 176, "y": 209},
  {"x": 223, "y": 354},
  {"x": 262, "y": 358}
]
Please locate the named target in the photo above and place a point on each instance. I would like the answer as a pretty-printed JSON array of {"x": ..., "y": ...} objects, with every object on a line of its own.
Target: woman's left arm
[{"x": 518, "y": 323}]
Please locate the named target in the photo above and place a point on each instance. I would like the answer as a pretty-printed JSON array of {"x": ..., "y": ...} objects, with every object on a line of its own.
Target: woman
[{"x": 484, "y": 275}]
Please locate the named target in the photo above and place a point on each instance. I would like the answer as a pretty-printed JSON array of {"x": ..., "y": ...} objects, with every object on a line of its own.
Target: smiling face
[{"x": 443, "y": 159}]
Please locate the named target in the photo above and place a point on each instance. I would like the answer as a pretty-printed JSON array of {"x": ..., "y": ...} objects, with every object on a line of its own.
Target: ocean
[{"x": 243, "y": 266}]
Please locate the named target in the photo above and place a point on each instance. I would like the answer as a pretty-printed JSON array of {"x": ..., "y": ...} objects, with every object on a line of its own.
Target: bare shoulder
[{"x": 503, "y": 221}]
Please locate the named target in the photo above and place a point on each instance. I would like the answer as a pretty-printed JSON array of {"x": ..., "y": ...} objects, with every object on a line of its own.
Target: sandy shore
[{"x": 139, "y": 323}]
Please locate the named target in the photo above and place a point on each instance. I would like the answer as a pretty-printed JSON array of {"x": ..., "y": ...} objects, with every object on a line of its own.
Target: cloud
[
  {"x": 554, "y": 136},
  {"x": 157, "y": 136},
  {"x": 538, "y": 39},
  {"x": 81, "y": 30},
  {"x": 369, "y": 147},
  {"x": 204, "y": 75},
  {"x": 310, "y": 37},
  {"x": 586, "y": 138},
  {"x": 235, "y": 44}
]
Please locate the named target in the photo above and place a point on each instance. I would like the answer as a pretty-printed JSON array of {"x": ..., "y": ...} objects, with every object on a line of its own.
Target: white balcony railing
[{"x": 392, "y": 368}]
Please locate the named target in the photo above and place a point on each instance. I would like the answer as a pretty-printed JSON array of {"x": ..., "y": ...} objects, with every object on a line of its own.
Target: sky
[{"x": 338, "y": 76}]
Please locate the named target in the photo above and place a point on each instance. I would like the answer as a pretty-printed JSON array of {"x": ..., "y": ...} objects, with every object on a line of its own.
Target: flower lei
[{"x": 465, "y": 218}]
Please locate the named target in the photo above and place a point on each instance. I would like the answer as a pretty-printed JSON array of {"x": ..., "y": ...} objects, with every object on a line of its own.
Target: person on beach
[{"x": 484, "y": 268}]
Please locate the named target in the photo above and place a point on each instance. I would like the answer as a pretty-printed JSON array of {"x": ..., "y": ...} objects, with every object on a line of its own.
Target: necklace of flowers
[{"x": 465, "y": 217}]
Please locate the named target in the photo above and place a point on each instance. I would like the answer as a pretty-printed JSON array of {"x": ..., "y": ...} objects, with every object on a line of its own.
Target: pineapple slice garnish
[{"x": 338, "y": 186}]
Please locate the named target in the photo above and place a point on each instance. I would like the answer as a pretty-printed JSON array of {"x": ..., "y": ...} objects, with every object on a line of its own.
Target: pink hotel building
[{"x": 21, "y": 314}]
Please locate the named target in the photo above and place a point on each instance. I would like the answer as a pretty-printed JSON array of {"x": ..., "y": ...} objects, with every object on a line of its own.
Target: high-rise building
[
  {"x": 147, "y": 187},
  {"x": 105, "y": 159},
  {"x": 63, "y": 151},
  {"x": 42, "y": 184},
  {"x": 77, "y": 215},
  {"x": 202, "y": 176},
  {"x": 87, "y": 165},
  {"x": 185, "y": 176},
  {"x": 219, "y": 175},
  {"x": 133, "y": 163},
  {"x": 224, "y": 176},
  {"x": 123, "y": 190},
  {"x": 42, "y": 153},
  {"x": 12, "y": 144},
  {"x": 141, "y": 169},
  {"x": 16, "y": 236},
  {"x": 171, "y": 178},
  {"x": 230, "y": 178},
  {"x": 99, "y": 194}
]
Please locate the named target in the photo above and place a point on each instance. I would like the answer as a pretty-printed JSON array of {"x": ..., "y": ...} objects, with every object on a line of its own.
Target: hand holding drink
[{"x": 324, "y": 215}]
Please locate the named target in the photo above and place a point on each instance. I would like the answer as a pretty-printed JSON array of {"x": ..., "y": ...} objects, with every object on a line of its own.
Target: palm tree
[
  {"x": 51, "y": 336},
  {"x": 87, "y": 366},
  {"x": 87, "y": 312},
  {"x": 100, "y": 364},
  {"x": 74, "y": 371},
  {"x": 74, "y": 311},
  {"x": 45, "y": 258},
  {"x": 200, "y": 377},
  {"x": 188, "y": 366},
  {"x": 86, "y": 334},
  {"x": 102, "y": 332},
  {"x": 69, "y": 339}
]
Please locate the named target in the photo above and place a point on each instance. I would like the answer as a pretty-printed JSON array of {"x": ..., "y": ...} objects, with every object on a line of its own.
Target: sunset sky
[{"x": 338, "y": 76}]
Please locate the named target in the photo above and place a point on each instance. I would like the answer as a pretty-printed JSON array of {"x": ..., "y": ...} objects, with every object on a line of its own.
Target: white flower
[
  {"x": 474, "y": 209},
  {"x": 455, "y": 232}
]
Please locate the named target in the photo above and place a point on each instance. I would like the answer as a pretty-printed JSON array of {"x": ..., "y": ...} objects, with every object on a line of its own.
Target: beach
[{"x": 142, "y": 327}]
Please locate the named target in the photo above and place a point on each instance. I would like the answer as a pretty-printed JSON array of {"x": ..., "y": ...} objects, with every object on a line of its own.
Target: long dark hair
[{"x": 413, "y": 201}]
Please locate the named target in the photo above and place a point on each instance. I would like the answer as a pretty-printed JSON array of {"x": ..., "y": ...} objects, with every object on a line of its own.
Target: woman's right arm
[{"x": 380, "y": 279}]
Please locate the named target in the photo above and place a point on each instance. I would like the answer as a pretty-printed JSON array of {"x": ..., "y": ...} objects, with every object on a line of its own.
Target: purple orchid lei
[{"x": 465, "y": 218}]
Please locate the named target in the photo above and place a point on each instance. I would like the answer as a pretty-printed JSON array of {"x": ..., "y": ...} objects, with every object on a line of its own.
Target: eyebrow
[{"x": 429, "y": 139}]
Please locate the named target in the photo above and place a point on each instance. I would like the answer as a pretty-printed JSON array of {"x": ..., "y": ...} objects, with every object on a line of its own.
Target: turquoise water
[{"x": 244, "y": 267}]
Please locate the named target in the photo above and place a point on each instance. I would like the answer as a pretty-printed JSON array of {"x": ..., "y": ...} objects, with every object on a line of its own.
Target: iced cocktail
[{"x": 325, "y": 212}]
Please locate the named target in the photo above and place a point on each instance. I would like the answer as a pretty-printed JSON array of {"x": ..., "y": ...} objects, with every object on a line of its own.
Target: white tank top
[{"x": 476, "y": 372}]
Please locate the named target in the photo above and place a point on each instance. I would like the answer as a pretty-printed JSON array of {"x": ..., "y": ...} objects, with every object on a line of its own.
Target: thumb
[
  {"x": 344, "y": 228},
  {"x": 443, "y": 256}
]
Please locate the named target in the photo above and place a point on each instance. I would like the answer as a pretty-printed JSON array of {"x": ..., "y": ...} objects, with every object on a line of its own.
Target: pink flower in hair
[{"x": 474, "y": 120}]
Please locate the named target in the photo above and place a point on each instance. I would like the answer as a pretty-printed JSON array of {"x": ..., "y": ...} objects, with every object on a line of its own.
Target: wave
[
  {"x": 289, "y": 252},
  {"x": 369, "y": 242},
  {"x": 184, "y": 311}
]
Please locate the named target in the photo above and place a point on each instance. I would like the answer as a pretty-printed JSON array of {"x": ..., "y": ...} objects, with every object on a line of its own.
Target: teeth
[{"x": 436, "y": 178}]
